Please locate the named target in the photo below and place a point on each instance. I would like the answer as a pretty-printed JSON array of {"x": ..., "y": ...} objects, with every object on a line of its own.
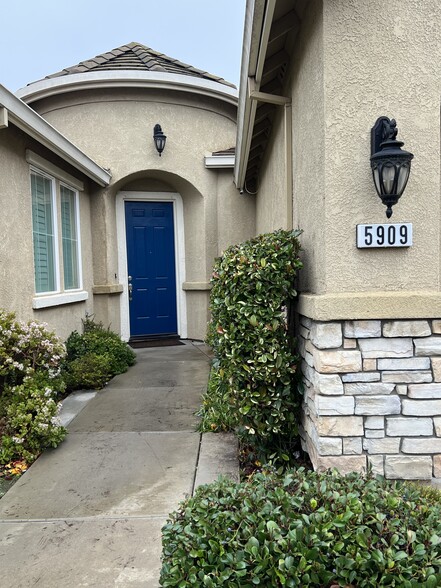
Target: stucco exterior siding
[
  {"x": 271, "y": 195},
  {"x": 17, "y": 287},
  {"x": 236, "y": 213},
  {"x": 115, "y": 127},
  {"x": 305, "y": 87},
  {"x": 309, "y": 127},
  {"x": 381, "y": 59},
  {"x": 348, "y": 67}
]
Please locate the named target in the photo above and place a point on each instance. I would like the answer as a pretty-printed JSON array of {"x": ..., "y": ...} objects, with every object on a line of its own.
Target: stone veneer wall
[{"x": 373, "y": 396}]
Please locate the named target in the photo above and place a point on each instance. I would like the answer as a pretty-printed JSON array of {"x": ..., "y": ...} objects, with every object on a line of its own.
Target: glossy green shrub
[
  {"x": 95, "y": 356},
  {"x": 255, "y": 366},
  {"x": 90, "y": 371},
  {"x": 305, "y": 529},
  {"x": 216, "y": 412}
]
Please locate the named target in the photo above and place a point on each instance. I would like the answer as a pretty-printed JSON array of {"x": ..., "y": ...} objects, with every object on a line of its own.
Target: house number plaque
[{"x": 386, "y": 235}]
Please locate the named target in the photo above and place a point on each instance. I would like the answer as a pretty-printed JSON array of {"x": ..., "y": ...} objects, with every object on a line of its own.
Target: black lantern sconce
[
  {"x": 390, "y": 164},
  {"x": 159, "y": 138}
]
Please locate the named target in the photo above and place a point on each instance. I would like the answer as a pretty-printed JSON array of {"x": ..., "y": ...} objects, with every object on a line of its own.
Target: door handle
[{"x": 130, "y": 288}]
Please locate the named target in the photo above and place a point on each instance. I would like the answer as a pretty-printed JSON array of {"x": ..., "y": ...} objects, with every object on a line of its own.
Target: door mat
[{"x": 164, "y": 342}]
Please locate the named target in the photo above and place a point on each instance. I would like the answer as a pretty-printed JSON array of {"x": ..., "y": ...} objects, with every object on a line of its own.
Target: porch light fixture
[
  {"x": 159, "y": 138},
  {"x": 390, "y": 164}
]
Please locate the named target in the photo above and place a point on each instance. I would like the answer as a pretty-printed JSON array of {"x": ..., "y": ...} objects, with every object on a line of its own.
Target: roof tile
[{"x": 135, "y": 56}]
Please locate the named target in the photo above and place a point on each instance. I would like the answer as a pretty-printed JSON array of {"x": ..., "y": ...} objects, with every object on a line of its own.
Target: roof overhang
[
  {"x": 271, "y": 26},
  {"x": 127, "y": 79},
  {"x": 18, "y": 113}
]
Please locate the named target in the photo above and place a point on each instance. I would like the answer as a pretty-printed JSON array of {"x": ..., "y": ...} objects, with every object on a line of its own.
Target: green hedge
[
  {"x": 253, "y": 376},
  {"x": 95, "y": 356},
  {"x": 305, "y": 529}
]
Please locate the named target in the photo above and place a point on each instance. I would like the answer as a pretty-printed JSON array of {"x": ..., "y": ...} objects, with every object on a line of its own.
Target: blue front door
[{"x": 151, "y": 268}]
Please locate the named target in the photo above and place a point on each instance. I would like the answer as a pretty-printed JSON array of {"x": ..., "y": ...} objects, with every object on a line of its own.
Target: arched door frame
[{"x": 178, "y": 213}]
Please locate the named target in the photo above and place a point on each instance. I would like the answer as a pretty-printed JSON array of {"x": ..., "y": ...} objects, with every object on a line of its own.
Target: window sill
[{"x": 59, "y": 299}]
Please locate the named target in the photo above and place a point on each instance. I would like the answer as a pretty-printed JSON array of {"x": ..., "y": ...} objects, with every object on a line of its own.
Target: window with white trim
[{"x": 55, "y": 223}]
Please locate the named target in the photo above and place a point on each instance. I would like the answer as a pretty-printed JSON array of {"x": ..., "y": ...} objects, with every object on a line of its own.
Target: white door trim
[{"x": 178, "y": 216}]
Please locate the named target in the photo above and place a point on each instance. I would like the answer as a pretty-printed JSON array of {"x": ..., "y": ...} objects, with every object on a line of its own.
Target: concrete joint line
[
  {"x": 87, "y": 519},
  {"x": 196, "y": 466}
]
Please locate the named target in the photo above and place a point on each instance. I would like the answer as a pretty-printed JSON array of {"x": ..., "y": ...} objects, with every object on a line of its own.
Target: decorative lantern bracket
[{"x": 383, "y": 129}]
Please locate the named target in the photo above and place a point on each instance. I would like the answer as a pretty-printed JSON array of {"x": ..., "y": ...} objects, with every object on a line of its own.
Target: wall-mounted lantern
[
  {"x": 159, "y": 138},
  {"x": 390, "y": 164}
]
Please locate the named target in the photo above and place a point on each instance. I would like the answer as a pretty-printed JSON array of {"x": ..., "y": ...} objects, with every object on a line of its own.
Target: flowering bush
[
  {"x": 26, "y": 348},
  {"x": 30, "y": 381},
  {"x": 32, "y": 422}
]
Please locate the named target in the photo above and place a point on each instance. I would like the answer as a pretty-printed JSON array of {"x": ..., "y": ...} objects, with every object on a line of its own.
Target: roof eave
[
  {"x": 26, "y": 119},
  {"x": 127, "y": 78},
  {"x": 258, "y": 20}
]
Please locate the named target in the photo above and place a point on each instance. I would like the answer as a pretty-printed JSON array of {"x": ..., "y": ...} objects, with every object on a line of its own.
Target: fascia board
[
  {"x": 26, "y": 119},
  {"x": 127, "y": 79},
  {"x": 254, "y": 20},
  {"x": 3, "y": 117}
]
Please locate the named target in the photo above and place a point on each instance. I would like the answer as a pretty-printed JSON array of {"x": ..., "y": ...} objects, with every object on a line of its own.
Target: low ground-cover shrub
[
  {"x": 253, "y": 379},
  {"x": 95, "y": 356},
  {"x": 30, "y": 386},
  {"x": 305, "y": 529}
]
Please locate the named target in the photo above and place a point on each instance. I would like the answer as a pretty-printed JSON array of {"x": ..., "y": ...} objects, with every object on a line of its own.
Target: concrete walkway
[{"x": 90, "y": 512}]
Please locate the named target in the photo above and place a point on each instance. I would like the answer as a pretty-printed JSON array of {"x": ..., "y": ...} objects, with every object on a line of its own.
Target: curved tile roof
[{"x": 135, "y": 56}]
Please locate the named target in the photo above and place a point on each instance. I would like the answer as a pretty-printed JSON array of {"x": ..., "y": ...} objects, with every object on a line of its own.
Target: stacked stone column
[{"x": 373, "y": 396}]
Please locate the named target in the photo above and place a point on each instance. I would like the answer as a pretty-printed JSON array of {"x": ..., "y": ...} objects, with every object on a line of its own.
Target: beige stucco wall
[
  {"x": 381, "y": 58},
  {"x": 305, "y": 87},
  {"x": 115, "y": 128},
  {"x": 236, "y": 213},
  {"x": 17, "y": 288},
  {"x": 271, "y": 194},
  {"x": 309, "y": 191},
  {"x": 352, "y": 63}
]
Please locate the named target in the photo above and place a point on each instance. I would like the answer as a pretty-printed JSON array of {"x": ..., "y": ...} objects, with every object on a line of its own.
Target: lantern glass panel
[
  {"x": 403, "y": 177},
  {"x": 388, "y": 178},
  {"x": 376, "y": 173}
]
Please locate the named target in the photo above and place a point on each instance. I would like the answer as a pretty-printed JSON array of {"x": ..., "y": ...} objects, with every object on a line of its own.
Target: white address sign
[{"x": 387, "y": 235}]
